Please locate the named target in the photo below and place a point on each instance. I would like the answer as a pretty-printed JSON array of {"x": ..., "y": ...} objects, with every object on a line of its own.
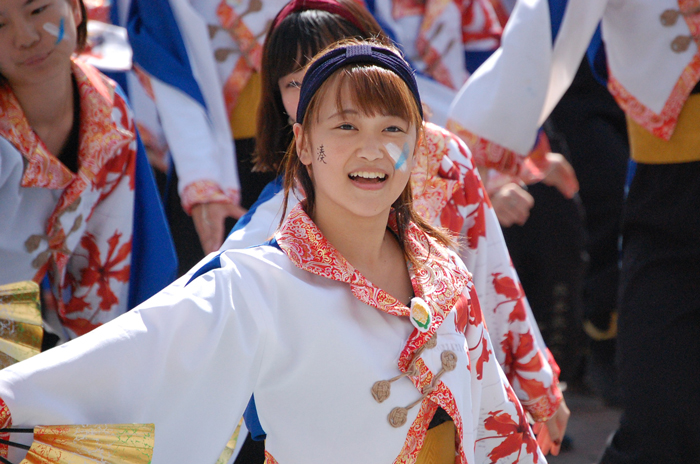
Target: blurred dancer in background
[
  {"x": 653, "y": 59},
  {"x": 79, "y": 206}
]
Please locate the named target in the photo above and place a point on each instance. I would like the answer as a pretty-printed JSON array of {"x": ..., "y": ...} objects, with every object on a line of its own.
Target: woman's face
[
  {"x": 289, "y": 89},
  {"x": 359, "y": 164},
  {"x": 37, "y": 38}
]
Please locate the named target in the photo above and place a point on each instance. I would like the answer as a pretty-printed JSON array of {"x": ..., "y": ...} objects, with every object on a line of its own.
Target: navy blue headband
[{"x": 325, "y": 66}]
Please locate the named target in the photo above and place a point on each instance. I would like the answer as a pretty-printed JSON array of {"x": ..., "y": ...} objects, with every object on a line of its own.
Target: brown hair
[
  {"x": 82, "y": 28},
  {"x": 373, "y": 90},
  {"x": 288, "y": 48}
]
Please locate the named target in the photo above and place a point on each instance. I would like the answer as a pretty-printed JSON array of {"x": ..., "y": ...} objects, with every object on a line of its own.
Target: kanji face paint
[
  {"x": 56, "y": 31},
  {"x": 399, "y": 156},
  {"x": 321, "y": 154}
]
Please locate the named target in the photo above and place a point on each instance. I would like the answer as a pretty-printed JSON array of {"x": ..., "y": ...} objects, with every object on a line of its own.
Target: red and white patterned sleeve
[
  {"x": 448, "y": 191},
  {"x": 502, "y": 432},
  {"x": 5, "y": 422},
  {"x": 202, "y": 149},
  {"x": 491, "y": 155}
]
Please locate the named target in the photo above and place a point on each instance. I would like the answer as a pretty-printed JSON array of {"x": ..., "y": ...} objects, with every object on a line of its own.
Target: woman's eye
[
  {"x": 346, "y": 127},
  {"x": 294, "y": 85},
  {"x": 39, "y": 10},
  {"x": 394, "y": 129}
]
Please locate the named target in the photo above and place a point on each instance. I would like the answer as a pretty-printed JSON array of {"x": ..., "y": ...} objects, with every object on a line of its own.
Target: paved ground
[{"x": 590, "y": 426}]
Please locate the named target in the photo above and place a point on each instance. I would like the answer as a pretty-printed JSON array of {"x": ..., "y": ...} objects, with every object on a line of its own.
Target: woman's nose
[
  {"x": 26, "y": 34},
  {"x": 372, "y": 149}
]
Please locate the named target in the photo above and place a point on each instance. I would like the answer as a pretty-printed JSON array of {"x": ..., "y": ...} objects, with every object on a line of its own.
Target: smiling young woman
[
  {"x": 343, "y": 158},
  {"x": 446, "y": 191}
]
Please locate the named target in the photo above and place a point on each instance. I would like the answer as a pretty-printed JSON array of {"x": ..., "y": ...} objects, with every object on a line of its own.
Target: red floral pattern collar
[
  {"x": 440, "y": 281},
  {"x": 100, "y": 138}
]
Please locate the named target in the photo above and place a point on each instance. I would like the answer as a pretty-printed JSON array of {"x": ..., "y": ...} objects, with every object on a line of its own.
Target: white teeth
[{"x": 368, "y": 175}]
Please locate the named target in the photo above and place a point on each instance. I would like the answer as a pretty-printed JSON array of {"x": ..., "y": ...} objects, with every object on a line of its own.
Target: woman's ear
[
  {"x": 303, "y": 151},
  {"x": 77, "y": 12}
]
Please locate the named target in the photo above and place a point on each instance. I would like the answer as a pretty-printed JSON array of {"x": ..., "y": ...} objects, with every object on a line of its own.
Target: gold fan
[
  {"x": 230, "y": 447},
  {"x": 21, "y": 329},
  {"x": 87, "y": 444}
]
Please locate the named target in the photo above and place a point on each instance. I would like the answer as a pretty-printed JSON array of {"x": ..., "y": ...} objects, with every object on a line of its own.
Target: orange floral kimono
[{"x": 74, "y": 229}]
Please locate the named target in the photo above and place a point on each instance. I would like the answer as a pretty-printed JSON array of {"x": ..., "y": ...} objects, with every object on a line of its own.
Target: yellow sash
[
  {"x": 439, "y": 445},
  {"x": 243, "y": 118},
  {"x": 684, "y": 145}
]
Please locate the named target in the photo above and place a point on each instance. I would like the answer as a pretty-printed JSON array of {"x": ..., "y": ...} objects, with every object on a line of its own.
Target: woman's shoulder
[
  {"x": 439, "y": 141},
  {"x": 434, "y": 253},
  {"x": 96, "y": 86},
  {"x": 259, "y": 258}
]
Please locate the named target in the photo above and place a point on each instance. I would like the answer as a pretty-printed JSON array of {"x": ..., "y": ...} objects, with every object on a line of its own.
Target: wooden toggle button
[
  {"x": 669, "y": 17},
  {"x": 397, "y": 417},
  {"x": 449, "y": 360},
  {"x": 681, "y": 43},
  {"x": 381, "y": 390}
]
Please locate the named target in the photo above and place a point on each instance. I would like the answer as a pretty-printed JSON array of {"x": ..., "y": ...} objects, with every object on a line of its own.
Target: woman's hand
[
  {"x": 551, "y": 433},
  {"x": 209, "y": 222},
  {"x": 512, "y": 204},
  {"x": 560, "y": 174}
]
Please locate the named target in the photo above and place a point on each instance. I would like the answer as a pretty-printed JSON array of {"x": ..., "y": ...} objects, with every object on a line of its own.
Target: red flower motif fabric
[
  {"x": 517, "y": 435},
  {"x": 85, "y": 247},
  {"x": 447, "y": 191},
  {"x": 5, "y": 422},
  {"x": 446, "y": 29}
]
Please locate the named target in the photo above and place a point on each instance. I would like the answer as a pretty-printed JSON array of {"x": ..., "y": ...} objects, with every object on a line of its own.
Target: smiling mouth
[
  {"x": 368, "y": 177},
  {"x": 36, "y": 59}
]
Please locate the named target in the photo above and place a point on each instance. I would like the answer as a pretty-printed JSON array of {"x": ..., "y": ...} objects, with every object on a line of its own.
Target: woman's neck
[
  {"x": 48, "y": 107},
  {"x": 371, "y": 248},
  {"x": 361, "y": 240}
]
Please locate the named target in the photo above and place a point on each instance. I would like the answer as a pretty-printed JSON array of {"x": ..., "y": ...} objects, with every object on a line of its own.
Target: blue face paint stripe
[
  {"x": 61, "y": 30},
  {"x": 403, "y": 158}
]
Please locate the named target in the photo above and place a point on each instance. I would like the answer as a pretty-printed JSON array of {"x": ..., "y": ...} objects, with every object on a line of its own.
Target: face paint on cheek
[
  {"x": 321, "y": 154},
  {"x": 399, "y": 156},
  {"x": 56, "y": 31}
]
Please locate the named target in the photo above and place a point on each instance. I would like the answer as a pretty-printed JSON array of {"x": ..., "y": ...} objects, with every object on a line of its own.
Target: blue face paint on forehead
[{"x": 324, "y": 67}]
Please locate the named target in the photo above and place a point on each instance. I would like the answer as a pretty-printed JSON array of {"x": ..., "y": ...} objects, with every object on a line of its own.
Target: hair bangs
[{"x": 378, "y": 91}]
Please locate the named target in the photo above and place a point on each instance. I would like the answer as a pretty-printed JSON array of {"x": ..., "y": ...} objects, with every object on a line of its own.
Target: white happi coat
[
  {"x": 499, "y": 110},
  {"x": 305, "y": 332},
  {"x": 447, "y": 191}
]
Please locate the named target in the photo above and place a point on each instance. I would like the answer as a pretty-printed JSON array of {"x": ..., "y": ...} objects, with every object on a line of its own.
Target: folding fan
[
  {"x": 230, "y": 447},
  {"x": 86, "y": 444},
  {"x": 20, "y": 322}
]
